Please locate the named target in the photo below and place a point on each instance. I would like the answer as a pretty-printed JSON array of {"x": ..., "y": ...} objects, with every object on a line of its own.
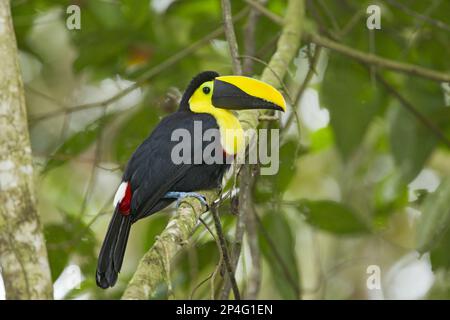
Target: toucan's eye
[{"x": 206, "y": 90}]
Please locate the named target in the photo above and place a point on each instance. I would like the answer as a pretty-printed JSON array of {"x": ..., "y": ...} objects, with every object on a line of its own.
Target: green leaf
[
  {"x": 333, "y": 217},
  {"x": 133, "y": 132},
  {"x": 352, "y": 99},
  {"x": 390, "y": 194},
  {"x": 65, "y": 239},
  {"x": 76, "y": 144},
  {"x": 440, "y": 254},
  {"x": 321, "y": 139},
  {"x": 198, "y": 261},
  {"x": 287, "y": 167},
  {"x": 58, "y": 256},
  {"x": 435, "y": 218},
  {"x": 284, "y": 273},
  {"x": 411, "y": 142}
]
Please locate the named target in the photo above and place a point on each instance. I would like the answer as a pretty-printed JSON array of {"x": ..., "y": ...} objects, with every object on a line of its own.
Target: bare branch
[
  {"x": 427, "y": 123},
  {"x": 303, "y": 86},
  {"x": 278, "y": 258},
  {"x": 287, "y": 47},
  {"x": 171, "y": 61},
  {"x": 407, "y": 10},
  {"x": 248, "y": 177},
  {"x": 225, "y": 254},
  {"x": 363, "y": 57},
  {"x": 231, "y": 36},
  {"x": 249, "y": 39},
  {"x": 254, "y": 281},
  {"x": 230, "y": 282}
]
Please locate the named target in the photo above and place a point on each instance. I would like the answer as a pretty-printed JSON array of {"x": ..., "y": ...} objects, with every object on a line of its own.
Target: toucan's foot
[{"x": 180, "y": 196}]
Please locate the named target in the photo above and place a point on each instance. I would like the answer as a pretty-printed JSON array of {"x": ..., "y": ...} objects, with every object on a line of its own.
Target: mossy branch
[{"x": 154, "y": 267}]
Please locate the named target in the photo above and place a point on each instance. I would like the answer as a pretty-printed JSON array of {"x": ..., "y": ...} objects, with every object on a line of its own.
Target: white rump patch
[{"x": 120, "y": 194}]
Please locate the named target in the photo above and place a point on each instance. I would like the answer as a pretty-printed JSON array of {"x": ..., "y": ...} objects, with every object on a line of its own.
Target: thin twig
[
  {"x": 174, "y": 59},
  {"x": 330, "y": 16},
  {"x": 269, "y": 14},
  {"x": 254, "y": 279},
  {"x": 237, "y": 69},
  {"x": 249, "y": 39},
  {"x": 93, "y": 174},
  {"x": 364, "y": 57},
  {"x": 407, "y": 10},
  {"x": 237, "y": 246},
  {"x": 75, "y": 240},
  {"x": 246, "y": 206},
  {"x": 225, "y": 254},
  {"x": 303, "y": 86},
  {"x": 278, "y": 258},
  {"x": 219, "y": 264},
  {"x": 384, "y": 63},
  {"x": 280, "y": 80},
  {"x": 409, "y": 107},
  {"x": 231, "y": 36}
]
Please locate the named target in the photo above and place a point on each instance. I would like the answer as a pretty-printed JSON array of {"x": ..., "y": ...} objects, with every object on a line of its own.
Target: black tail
[{"x": 113, "y": 249}]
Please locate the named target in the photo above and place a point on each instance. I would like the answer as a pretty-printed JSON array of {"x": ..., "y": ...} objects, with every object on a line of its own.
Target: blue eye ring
[{"x": 206, "y": 90}]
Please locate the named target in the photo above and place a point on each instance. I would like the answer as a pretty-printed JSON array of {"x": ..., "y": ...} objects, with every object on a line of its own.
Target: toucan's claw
[{"x": 180, "y": 196}]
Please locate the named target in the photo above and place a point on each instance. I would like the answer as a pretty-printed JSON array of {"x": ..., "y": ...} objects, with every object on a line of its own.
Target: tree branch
[
  {"x": 278, "y": 258},
  {"x": 255, "y": 277},
  {"x": 287, "y": 47},
  {"x": 407, "y": 10},
  {"x": 177, "y": 57},
  {"x": 427, "y": 123},
  {"x": 23, "y": 255},
  {"x": 230, "y": 281},
  {"x": 152, "y": 269},
  {"x": 231, "y": 36},
  {"x": 367, "y": 58},
  {"x": 249, "y": 40},
  {"x": 225, "y": 254},
  {"x": 298, "y": 95},
  {"x": 248, "y": 177},
  {"x": 374, "y": 60}
]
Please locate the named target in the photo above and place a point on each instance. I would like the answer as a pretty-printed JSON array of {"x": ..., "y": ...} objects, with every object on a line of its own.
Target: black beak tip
[
  {"x": 279, "y": 108},
  {"x": 272, "y": 106}
]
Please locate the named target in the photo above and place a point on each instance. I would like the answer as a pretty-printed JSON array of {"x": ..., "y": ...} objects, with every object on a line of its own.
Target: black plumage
[{"x": 152, "y": 174}]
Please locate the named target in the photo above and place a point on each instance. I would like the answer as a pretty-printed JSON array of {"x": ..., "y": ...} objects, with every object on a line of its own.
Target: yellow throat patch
[{"x": 231, "y": 133}]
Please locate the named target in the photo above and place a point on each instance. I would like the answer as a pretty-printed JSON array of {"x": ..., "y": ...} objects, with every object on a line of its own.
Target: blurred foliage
[
  {"x": 353, "y": 102},
  {"x": 333, "y": 217},
  {"x": 283, "y": 264},
  {"x": 435, "y": 218},
  {"x": 68, "y": 239},
  {"x": 341, "y": 188},
  {"x": 76, "y": 144}
]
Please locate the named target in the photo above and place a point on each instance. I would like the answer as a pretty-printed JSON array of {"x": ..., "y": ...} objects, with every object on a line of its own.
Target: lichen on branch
[{"x": 154, "y": 267}]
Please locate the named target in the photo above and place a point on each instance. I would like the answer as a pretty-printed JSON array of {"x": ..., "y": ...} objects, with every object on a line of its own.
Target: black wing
[{"x": 151, "y": 171}]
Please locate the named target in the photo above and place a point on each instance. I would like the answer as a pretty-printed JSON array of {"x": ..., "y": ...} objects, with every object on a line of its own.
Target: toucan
[{"x": 152, "y": 180}]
